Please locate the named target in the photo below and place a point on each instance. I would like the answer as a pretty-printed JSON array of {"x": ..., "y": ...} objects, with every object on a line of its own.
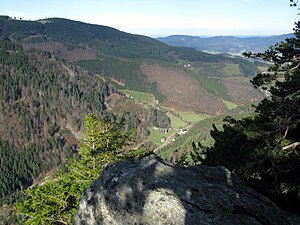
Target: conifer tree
[
  {"x": 264, "y": 149},
  {"x": 56, "y": 201}
]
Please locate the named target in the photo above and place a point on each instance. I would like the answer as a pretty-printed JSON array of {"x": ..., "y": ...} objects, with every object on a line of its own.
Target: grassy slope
[
  {"x": 229, "y": 105},
  {"x": 176, "y": 122},
  {"x": 140, "y": 96},
  {"x": 185, "y": 117},
  {"x": 193, "y": 117},
  {"x": 155, "y": 136},
  {"x": 200, "y": 132},
  {"x": 230, "y": 69}
]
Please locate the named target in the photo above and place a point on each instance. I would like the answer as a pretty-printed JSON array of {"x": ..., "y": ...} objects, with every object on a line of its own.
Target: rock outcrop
[{"x": 151, "y": 191}]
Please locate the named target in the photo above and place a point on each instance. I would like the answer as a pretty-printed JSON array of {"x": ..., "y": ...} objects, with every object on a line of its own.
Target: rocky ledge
[{"x": 151, "y": 191}]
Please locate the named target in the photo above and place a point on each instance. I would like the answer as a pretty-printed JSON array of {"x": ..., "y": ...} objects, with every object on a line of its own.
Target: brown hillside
[
  {"x": 182, "y": 91},
  {"x": 71, "y": 55},
  {"x": 241, "y": 91}
]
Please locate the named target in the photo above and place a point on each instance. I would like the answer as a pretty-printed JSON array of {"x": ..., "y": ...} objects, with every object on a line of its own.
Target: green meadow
[{"x": 139, "y": 96}]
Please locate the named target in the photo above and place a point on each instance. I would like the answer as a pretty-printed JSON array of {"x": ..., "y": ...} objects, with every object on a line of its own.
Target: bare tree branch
[{"x": 293, "y": 145}]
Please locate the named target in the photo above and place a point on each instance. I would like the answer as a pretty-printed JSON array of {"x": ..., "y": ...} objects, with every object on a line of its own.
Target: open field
[
  {"x": 229, "y": 105},
  {"x": 140, "y": 96},
  {"x": 231, "y": 69},
  {"x": 182, "y": 118},
  {"x": 192, "y": 116},
  {"x": 176, "y": 122},
  {"x": 155, "y": 136}
]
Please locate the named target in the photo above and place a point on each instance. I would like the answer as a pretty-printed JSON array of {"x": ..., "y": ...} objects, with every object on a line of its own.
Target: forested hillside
[
  {"x": 119, "y": 57},
  {"x": 42, "y": 99},
  {"x": 39, "y": 96}
]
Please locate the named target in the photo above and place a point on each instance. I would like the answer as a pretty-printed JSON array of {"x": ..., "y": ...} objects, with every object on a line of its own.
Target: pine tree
[
  {"x": 56, "y": 201},
  {"x": 264, "y": 148}
]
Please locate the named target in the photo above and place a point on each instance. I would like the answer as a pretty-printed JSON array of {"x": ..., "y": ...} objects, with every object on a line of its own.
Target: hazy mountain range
[{"x": 225, "y": 44}]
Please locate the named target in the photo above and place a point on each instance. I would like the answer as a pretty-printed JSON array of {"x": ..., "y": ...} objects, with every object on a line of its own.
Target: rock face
[{"x": 151, "y": 191}]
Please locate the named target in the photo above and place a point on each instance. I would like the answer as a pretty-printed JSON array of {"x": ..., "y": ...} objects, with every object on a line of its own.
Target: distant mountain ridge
[{"x": 225, "y": 44}]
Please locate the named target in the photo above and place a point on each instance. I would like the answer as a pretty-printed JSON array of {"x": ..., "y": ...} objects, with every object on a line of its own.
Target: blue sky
[{"x": 166, "y": 17}]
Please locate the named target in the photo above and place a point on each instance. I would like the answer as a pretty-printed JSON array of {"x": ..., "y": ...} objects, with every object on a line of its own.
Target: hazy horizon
[
  {"x": 164, "y": 18},
  {"x": 209, "y": 36}
]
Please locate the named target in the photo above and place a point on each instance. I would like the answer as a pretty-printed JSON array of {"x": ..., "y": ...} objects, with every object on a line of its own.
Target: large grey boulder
[{"x": 151, "y": 191}]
